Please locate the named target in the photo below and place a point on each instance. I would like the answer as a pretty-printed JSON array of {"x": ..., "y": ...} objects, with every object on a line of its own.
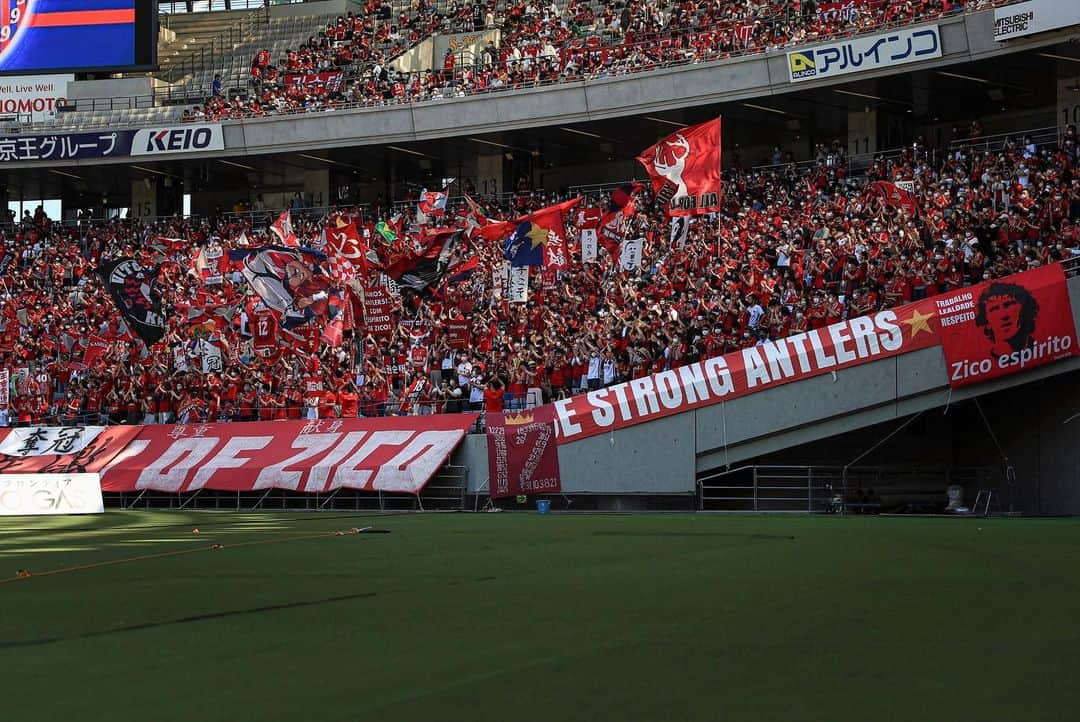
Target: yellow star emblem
[
  {"x": 918, "y": 323},
  {"x": 537, "y": 235}
]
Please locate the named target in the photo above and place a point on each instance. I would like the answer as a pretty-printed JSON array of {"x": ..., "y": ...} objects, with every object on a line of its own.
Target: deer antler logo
[{"x": 678, "y": 151}]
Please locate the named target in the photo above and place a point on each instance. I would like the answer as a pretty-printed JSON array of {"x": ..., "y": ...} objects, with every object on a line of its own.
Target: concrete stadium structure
[{"x": 834, "y": 419}]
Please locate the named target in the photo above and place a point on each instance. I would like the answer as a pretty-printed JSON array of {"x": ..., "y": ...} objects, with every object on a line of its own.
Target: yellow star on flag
[
  {"x": 537, "y": 235},
  {"x": 918, "y": 323}
]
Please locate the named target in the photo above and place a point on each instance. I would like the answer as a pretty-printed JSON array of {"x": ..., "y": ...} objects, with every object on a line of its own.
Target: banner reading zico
[
  {"x": 1002, "y": 327},
  {"x": 868, "y": 52},
  {"x": 33, "y": 98},
  {"x": 522, "y": 456},
  {"x": 1037, "y": 16},
  {"x": 379, "y": 454}
]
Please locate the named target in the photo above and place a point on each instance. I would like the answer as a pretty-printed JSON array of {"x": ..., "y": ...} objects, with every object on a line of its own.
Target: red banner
[
  {"x": 1031, "y": 329},
  {"x": 458, "y": 332},
  {"x": 331, "y": 81},
  {"x": 685, "y": 169},
  {"x": 378, "y": 454},
  {"x": 91, "y": 457},
  {"x": 1003, "y": 327},
  {"x": 522, "y": 456},
  {"x": 839, "y": 346}
]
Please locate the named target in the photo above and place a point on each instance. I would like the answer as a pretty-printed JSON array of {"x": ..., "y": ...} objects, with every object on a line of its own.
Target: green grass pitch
[{"x": 518, "y": 617}]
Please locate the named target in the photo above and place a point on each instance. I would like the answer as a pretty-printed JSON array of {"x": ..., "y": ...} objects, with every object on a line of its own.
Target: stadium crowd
[
  {"x": 540, "y": 43},
  {"x": 795, "y": 247}
]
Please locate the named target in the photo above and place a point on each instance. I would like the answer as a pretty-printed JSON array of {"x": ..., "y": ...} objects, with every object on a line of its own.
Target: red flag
[
  {"x": 463, "y": 271},
  {"x": 1002, "y": 327},
  {"x": 209, "y": 265},
  {"x": 893, "y": 195},
  {"x": 95, "y": 349},
  {"x": 283, "y": 229},
  {"x": 344, "y": 242},
  {"x": 685, "y": 170},
  {"x": 432, "y": 202},
  {"x": 496, "y": 230},
  {"x": 612, "y": 228},
  {"x": 550, "y": 219},
  {"x": 333, "y": 332}
]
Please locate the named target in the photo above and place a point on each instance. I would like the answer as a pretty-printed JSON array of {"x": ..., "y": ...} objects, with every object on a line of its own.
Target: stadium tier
[
  {"x": 795, "y": 249},
  {"x": 662, "y": 191}
]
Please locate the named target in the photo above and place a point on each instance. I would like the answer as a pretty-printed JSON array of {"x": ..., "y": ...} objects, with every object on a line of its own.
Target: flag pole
[{"x": 719, "y": 177}]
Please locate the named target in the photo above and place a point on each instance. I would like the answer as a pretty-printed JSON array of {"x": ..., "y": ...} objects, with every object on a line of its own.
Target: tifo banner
[
  {"x": 45, "y": 440},
  {"x": 1027, "y": 316},
  {"x": 844, "y": 11},
  {"x": 107, "y": 442},
  {"x": 867, "y": 52},
  {"x": 1002, "y": 327},
  {"x": 378, "y": 310},
  {"x": 49, "y": 494},
  {"x": 399, "y": 453},
  {"x": 1037, "y": 16},
  {"x": 330, "y": 81},
  {"x": 522, "y": 455},
  {"x": 33, "y": 97}
]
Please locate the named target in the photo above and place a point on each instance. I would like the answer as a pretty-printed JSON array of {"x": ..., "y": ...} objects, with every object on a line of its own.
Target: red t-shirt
[{"x": 493, "y": 399}]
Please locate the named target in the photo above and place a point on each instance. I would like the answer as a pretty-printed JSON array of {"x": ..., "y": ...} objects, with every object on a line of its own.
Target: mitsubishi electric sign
[
  {"x": 1037, "y": 16},
  {"x": 182, "y": 139}
]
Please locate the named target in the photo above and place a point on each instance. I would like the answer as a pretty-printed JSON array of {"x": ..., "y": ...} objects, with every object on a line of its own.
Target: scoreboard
[{"x": 77, "y": 35}]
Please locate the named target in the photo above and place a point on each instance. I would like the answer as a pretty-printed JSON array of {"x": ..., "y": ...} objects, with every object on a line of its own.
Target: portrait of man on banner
[
  {"x": 1007, "y": 314},
  {"x": 291, "y": 281}
]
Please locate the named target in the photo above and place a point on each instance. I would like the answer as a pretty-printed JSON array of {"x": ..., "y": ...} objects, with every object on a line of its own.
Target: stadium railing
[
  {"x": 996, "y": 142},
  {"x": 832, "y": 489}
]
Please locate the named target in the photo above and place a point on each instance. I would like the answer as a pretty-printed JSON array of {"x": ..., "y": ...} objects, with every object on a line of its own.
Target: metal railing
[
  {"x": 831, "y": 489},
  {"x": 997, "y": 142}
]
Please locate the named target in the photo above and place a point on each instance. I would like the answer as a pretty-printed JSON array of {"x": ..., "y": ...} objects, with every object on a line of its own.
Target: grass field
[{"x": 526, "y": 617}]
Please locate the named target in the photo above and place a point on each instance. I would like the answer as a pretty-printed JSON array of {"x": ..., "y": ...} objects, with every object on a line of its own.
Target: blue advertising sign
[{"x": 112, "y": 143}]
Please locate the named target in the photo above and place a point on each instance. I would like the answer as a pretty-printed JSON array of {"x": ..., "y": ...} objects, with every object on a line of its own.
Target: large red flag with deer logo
[{"x": 685, "y": 170}]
